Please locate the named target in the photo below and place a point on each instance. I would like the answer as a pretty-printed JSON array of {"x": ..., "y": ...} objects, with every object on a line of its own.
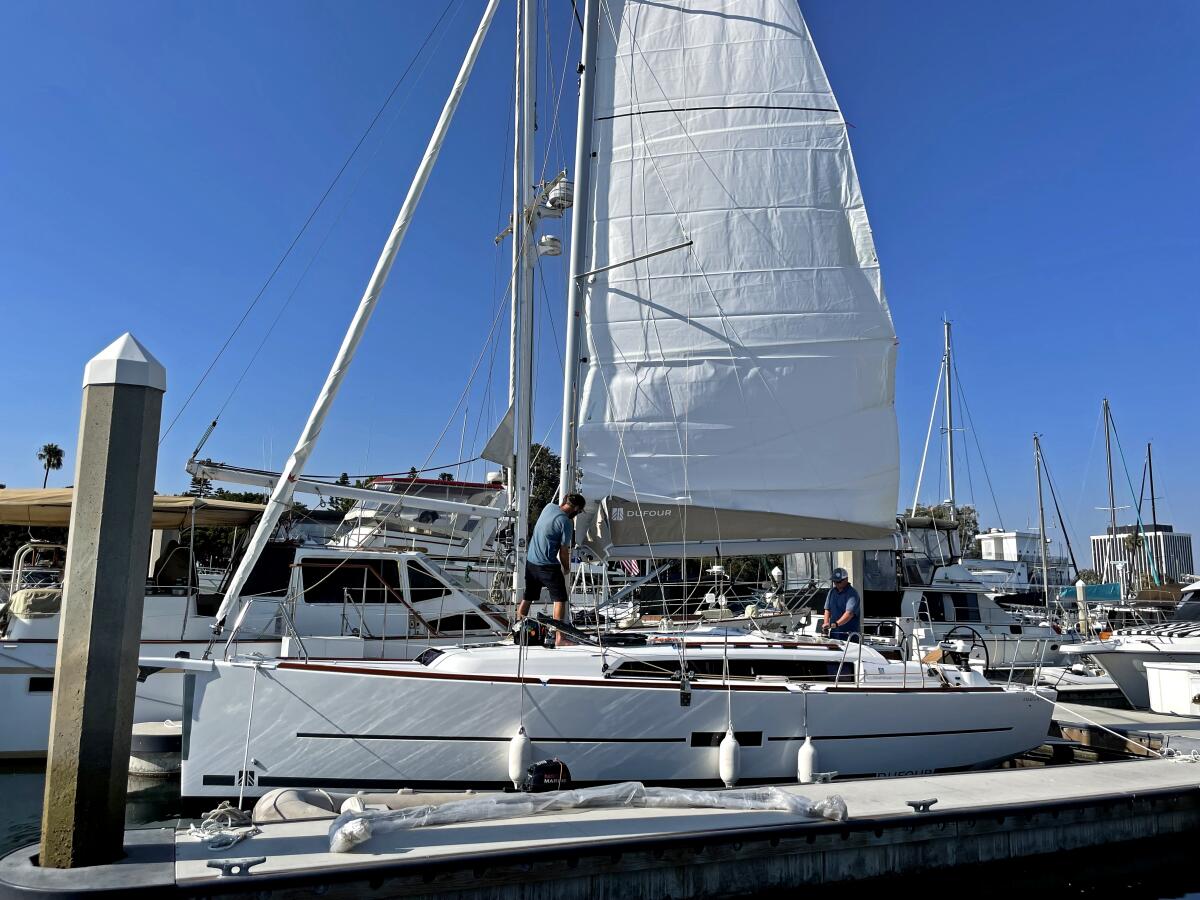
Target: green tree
[
  {"x": 1133, "y": 543},
  {"x": 1089, "y": 576},
  {"x": 200, "y": 487},
  {"x": 544, "y": 469},
  {"x": 344, "y": 504},
  {"x": 412, "y": 472},
  {"x": 241, "y": 496},
  {"x": 14, "y": 537},
  {"x": 968, "y": 525},
  {"x": 446, "y": 476},
  {"x": 51, "y": 458},
  {"x": 747, "y": 570}
]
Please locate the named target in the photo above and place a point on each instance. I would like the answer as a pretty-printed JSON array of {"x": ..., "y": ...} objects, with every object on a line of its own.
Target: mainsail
[{"x": 738, "y": 384}]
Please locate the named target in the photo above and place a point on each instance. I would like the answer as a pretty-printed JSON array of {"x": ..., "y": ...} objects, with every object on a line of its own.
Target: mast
[
  {"x": 1037, "y": 462},
  {"x": 579, "y": 227},
  {"x": 947, "y": 361},
  {"x": 1153, "y": 514},
  {"x": 524, "y": 259},
  {"x": 282, "y": 493},
  {"x": 1112, "y": 500}
]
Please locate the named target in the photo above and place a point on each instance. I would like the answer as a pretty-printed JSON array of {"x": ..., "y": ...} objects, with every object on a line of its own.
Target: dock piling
[{"x": 83, "y": 820}]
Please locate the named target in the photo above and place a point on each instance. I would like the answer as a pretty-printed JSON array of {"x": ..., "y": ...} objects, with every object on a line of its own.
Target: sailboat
[
  {"x": 937, "y": 594},
  {"x": 729, "y": 388}
]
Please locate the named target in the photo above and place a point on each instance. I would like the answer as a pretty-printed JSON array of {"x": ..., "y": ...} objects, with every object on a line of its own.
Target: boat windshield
[{"x": 1188, "y": 611}]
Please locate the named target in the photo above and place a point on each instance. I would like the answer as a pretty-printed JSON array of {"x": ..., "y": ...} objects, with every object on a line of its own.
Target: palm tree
[{"x": 51, "y": 457}]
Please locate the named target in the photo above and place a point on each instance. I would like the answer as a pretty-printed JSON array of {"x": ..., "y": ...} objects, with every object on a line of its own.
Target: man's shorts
[{"x": 548, "y": 577}]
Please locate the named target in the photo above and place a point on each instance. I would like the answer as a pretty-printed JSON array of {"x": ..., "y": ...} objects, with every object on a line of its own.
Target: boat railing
[
  {"x": 349, "y": 603},
  {"x": 1012, "y": 665}
]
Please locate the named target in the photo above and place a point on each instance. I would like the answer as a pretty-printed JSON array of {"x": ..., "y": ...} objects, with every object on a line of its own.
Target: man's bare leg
[
  {"x": 522, "y": 610},
  {"x": 560, "y": 613}
]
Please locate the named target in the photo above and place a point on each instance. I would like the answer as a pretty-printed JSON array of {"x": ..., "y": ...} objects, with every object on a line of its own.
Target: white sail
[{"x": 740, "y": 356}]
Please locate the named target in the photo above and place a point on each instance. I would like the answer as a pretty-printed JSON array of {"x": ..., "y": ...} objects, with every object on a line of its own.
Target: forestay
[{"x": 739, "y": 389}]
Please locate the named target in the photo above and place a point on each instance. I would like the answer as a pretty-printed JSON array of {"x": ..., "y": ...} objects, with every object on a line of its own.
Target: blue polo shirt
[
  {"x": 839, "y": 602},
  {"x": 554, "y": 530}
]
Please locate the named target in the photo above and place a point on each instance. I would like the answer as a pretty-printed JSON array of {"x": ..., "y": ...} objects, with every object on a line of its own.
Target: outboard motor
[
  {"x": 546, "y": 775},
  {"x": 529, "y": 633}
]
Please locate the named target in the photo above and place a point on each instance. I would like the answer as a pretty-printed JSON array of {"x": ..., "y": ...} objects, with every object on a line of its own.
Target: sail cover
[{"x": 738, "y": 383}]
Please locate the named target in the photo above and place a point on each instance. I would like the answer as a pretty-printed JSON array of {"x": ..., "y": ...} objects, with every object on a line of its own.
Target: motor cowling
[{"x": 546, "y": 775}]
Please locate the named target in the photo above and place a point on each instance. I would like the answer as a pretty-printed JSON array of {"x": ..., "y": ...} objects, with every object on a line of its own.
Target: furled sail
[{"x": 738, "y": 388}]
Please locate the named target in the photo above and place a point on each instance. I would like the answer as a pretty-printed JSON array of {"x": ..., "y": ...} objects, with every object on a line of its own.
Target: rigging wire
[
  {"x": 1057, "y": 511},
  {"x": 308, "y": 221},
  {"x": 1088, "y": 468},
  {"x": 937, "y": 393},
  {"x": 1141, "y": 527},
  {"x": 499, "y": 298},
  {"x": 964, "y": 406},
  {"x": 966, "y": 455},
  {"x": 316, "y": 254}
]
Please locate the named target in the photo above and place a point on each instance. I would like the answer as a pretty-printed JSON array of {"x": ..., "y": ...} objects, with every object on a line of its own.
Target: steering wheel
[{"x": 976, "y": 641}]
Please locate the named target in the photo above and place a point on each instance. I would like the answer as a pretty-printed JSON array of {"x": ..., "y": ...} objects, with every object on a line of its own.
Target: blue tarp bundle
[{"x": 1093, "y": 592}]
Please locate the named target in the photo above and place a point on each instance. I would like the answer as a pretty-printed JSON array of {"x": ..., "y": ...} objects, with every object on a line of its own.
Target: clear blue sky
[{"x": 1029, "y": 170}]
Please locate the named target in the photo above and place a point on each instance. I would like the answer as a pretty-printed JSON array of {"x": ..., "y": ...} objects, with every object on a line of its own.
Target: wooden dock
[{"x": 1135, "y": 731}]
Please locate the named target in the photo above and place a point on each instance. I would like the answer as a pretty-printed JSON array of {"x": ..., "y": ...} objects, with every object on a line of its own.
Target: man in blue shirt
[
  {"x": 548, "y": 559},
  {"x": 842, "y": 607}
]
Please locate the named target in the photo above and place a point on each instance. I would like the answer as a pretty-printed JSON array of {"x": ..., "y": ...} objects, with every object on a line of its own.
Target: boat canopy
[{"x": 52, "y": 506}]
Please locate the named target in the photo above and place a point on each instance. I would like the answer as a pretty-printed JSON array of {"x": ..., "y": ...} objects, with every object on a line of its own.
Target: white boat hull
[
  {"x": 346, "y": 726},
  {"x": 1127, "y": 668},
  {"x": 27, "y": 671}
]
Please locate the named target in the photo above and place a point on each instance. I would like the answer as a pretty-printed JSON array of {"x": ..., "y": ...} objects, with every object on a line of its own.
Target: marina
[{"x": 650, "y": 618}]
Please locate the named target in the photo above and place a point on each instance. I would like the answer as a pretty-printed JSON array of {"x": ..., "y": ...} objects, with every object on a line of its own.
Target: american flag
[{"x": 631, "y": 566}]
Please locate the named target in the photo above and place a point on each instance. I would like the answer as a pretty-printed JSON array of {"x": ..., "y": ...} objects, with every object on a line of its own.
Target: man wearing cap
[
  {"x": 548, "y": 560},
  {"x": 842, "y": 606}
]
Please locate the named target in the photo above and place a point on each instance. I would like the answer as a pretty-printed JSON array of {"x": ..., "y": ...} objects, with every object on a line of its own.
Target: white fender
[
  {"x": 520, "y": 755},
  {"x": 730, "y": 762},
  {"x": 806, "y": 761}
]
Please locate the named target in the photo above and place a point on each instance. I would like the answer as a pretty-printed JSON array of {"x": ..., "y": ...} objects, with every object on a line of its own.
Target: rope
[
  {"x": 224, "y": 826},
  {"x": 1124, "y": 737}
]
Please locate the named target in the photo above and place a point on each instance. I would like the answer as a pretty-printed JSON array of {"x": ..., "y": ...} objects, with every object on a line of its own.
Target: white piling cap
[{"x": 125, "y": 361}]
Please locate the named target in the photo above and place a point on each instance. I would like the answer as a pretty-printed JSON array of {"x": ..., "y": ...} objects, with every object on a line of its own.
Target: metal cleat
[{"x": 236, "y": 867}]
